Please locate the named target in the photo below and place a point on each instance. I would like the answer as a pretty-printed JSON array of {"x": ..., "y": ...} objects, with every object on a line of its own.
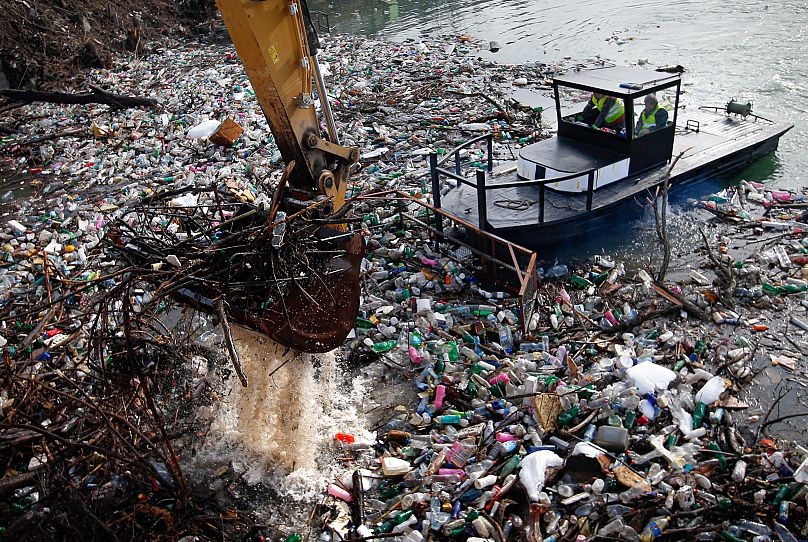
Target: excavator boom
[{"x": 278, "y": 47}]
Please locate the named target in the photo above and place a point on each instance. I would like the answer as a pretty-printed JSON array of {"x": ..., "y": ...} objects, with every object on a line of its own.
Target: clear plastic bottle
[
  {"x": 631, "y": 493},
  {"x": 739, "y": 472},
  {"x": 437, "y": 518},
  {"x": 506, "y": 337},
  {"x": 783, "y": 533},
  {"x": 618, "y": 510},
  {"x": 584, "y": 510},
  {"x": 754, "y": 527},
  {"x": 613, "y": 527}
]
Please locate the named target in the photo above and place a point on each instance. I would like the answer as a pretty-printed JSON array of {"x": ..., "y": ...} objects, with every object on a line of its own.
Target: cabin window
[
  {"x": 653, "y": 111},
  {"x": 578, "y": 107}
]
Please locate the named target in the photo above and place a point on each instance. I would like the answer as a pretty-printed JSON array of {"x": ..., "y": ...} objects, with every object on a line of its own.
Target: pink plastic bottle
[
  {"x": 339, "y": 493},
  {"x": 440, "y": 393}
]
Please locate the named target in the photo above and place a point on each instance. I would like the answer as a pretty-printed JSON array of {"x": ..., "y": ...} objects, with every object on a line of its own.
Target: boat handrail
[
  {"x": 537, "y": 182},
  {"x": 479, "y": 183},
  {"x": 488, "y": 135}
]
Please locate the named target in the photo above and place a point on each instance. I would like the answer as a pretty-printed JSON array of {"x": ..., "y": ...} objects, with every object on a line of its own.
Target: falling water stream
[{"x": 278, "y": 432}]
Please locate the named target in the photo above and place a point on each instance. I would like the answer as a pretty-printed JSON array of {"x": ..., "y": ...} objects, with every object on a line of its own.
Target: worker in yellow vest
[
  {"x": 604, "y": 112},
  {"x": 652, "y": 118}
]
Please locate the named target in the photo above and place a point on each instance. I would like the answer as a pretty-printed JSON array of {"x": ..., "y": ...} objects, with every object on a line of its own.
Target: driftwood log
[{"x": 95, "y": 96}]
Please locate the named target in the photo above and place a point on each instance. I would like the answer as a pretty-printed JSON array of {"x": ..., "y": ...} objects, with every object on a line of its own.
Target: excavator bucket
[{"x": 317, "y": 316}]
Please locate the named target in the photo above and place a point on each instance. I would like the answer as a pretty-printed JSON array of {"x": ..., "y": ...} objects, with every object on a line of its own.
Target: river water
[{"x": 748, "y": 49}]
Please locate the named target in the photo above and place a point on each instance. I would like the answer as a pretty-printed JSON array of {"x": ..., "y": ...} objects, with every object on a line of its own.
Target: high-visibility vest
[
  {"x": 648, "y": 122},
  {"x": 616, "y": 112}
]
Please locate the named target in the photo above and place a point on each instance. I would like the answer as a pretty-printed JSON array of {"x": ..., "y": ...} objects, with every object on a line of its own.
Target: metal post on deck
[
  {"x": 433, "y": 170},
  {"x": 482, "y": 205},
  {"x": 490, "y": 141},
  {"x": 589, "y": 189},
  {"x": 457, "y": 163},
  {"x": 541, "y": 203}
]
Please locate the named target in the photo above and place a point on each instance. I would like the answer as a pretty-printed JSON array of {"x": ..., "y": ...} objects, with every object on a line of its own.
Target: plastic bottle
[
  {"x": 618, "y": 510},
  {"x": 557, "y": 271},
  {"x": 739, "y": 471},
  {"x": 531, "y": 347},
  {"x": 384, "y": 346},
  {"x": 631, "y": 493},
  {"x": 654, "y": 528},
  {"x": 783, "y": 533},
  {"x": 440, "y": 393},
  {"x": 506, "y": 338},
  {"x": 753, "y": 527},
  {"x": 613, "y": 527},
  {"x": 698, "y": 414}
]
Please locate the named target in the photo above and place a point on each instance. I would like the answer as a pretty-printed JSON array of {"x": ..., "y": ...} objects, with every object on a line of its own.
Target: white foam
[{"x": 280, "y": 429}]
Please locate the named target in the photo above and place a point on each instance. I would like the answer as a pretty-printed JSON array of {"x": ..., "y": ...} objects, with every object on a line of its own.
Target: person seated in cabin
[
  {"x": 603, "y": 112},
  {"x": 652, "y": 118}
]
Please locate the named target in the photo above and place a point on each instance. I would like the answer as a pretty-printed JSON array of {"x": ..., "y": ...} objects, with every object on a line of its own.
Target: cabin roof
[{"x": 609, "y": 80}]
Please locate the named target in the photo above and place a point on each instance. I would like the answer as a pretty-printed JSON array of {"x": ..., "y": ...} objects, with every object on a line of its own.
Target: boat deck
[{"x": 721, "y": 144}]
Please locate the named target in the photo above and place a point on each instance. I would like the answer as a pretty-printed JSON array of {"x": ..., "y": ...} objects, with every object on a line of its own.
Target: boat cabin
[{"x": 611, "y": 151}]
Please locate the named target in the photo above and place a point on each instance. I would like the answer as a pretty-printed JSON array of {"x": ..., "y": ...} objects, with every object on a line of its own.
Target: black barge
[{"x": 579, "y": 180}]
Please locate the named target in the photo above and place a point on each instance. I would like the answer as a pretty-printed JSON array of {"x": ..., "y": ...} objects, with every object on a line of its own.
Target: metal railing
[
  {"x": 482, "y": 187},
  {"x": 497, "y": 260},
  {"x": 320, "y": 18}
]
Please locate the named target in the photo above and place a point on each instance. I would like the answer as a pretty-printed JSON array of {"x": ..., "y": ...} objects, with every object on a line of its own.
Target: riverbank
[{"x": 53, "y": 44}]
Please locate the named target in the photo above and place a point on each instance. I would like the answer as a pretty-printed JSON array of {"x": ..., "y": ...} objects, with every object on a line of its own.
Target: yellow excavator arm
[{"x": 278, "y": 46}]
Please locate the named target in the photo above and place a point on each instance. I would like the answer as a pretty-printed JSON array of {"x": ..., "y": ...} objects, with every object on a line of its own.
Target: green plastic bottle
[
  {"x": 698, "y": 414},
  {"x": 451, "y": 349},
  {"x": 580, "y": 282},
  {"x": 362, "y": 323},
  {"x": 726, "y": 535},
  {"x": 722, "y": 461},
  {"x": 448, "y": 419},
  {"x": 780, "y": 495},
  {"x": 566, "y": 418},
  {"x": 783, "y": 289},
  {"x": 509, "y": 466},
  {"x": 384, "y": 346}
]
